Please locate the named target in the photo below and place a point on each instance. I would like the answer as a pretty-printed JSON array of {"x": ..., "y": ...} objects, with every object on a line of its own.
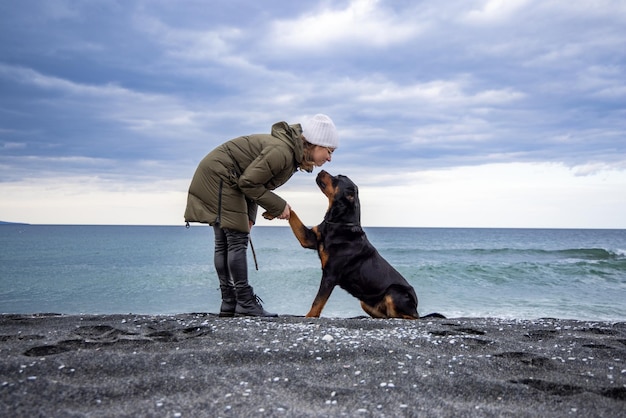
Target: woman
[{"x": 237, "y": 177}]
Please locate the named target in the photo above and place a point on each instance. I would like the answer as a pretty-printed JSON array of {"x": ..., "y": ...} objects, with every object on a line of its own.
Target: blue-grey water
[{"x": 507, "y": 273}]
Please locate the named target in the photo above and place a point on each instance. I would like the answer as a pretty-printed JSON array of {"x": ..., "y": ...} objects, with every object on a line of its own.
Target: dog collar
[{"x": 341, "y": 223}]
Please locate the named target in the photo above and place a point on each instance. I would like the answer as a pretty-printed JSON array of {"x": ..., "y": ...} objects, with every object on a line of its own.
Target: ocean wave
[
  {"x": 612, "y": 257},
  {"x": 573, "y": 253},
  {"x": 594, "y": 253}
]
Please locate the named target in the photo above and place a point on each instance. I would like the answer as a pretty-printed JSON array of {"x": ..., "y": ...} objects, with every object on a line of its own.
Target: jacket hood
[{"x": 291, "y": 135}]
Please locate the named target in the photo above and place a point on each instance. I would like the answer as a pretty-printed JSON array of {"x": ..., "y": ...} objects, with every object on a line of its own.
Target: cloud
[
  {"x": 91, "y": 200},
  {"x": 189, "y": 45},
  {"x": 538, "y": 195},
  {"x": 155, "y": 116},
  {"x": 436, "y": 92},
  {"x": 360, "y": 22},
  {"x": 136, "y": 93},
  {"x": 535, "y": 195},
  {"x": 496, "y": 11}
]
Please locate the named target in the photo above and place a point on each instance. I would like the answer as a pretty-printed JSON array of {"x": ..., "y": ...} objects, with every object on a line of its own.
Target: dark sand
[{"x": 194, "y": 365}]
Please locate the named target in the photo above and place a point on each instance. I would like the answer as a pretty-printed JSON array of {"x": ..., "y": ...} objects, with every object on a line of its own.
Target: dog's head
[{"x": 343, "y": 198}]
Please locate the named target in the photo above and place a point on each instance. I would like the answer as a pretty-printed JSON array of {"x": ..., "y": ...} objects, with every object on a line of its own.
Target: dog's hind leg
[
  {"x": 374, "y": 311},
  {"x": 401, "y": 304},
  {"x": 387, "y": 308}
]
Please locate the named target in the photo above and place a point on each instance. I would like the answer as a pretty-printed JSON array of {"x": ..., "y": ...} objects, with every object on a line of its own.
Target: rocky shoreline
[{"x": 200, "y": 365}]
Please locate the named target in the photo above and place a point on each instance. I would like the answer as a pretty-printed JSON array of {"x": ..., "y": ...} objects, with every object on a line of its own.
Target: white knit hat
[{"x": 320, "y": 130}]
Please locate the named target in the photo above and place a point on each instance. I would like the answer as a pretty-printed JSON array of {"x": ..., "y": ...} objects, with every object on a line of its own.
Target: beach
[{"x": 197, "y": 364}]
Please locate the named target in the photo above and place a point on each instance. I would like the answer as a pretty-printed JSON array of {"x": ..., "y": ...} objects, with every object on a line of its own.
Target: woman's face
[{"x": 321, "y": 155}]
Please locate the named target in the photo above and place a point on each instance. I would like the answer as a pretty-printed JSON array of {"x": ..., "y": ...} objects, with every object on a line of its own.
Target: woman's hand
[{"x": 286, "y": 212}]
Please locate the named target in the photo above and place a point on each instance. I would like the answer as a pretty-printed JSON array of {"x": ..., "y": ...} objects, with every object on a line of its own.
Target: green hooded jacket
[{"x": 239, "y": 175}]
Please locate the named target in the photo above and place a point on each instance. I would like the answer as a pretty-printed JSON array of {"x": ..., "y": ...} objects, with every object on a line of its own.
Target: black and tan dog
[{"x": 349, "y": 259}]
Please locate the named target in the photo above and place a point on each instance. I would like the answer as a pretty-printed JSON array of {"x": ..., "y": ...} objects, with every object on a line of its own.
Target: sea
[{"x": 161, "y": 270}]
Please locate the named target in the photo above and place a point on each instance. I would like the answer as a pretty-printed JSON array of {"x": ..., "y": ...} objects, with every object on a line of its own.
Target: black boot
[
  {"x": 229, "y": 301},
  {"x": 249, "y": 304}
]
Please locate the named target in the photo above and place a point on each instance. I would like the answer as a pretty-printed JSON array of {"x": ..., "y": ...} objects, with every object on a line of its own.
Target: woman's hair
[{"x": 307, "y": 163}]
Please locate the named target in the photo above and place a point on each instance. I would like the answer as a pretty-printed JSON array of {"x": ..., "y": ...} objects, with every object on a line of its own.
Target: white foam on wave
[{"x": 620, "y": 252}]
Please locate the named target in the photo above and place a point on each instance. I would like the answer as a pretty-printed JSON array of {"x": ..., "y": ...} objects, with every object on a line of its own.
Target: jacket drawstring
[{"x": 219, "y": 202}]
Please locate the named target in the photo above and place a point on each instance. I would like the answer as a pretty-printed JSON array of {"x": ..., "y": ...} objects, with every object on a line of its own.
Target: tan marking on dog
[
  {"x": 300, "y": 231},
  {"x": 384, "y": 309},
  {"x": 324, "y": 257}
]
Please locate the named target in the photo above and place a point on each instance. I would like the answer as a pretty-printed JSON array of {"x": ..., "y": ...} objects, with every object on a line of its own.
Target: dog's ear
[{"x": 351, "y": 193}]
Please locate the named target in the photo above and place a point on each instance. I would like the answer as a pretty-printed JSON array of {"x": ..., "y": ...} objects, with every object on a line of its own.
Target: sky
[{"x": 463, "y": 113}]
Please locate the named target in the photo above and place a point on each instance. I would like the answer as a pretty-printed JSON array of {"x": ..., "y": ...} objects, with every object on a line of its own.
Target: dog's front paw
[{"x": 267, "y": 216}]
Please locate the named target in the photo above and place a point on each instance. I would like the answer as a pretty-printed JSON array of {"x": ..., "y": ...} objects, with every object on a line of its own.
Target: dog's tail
[{"x": 433, "y": 315}]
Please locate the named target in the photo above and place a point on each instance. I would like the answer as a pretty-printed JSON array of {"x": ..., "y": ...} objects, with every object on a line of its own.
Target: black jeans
[{"x": 230, "y": 260}]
